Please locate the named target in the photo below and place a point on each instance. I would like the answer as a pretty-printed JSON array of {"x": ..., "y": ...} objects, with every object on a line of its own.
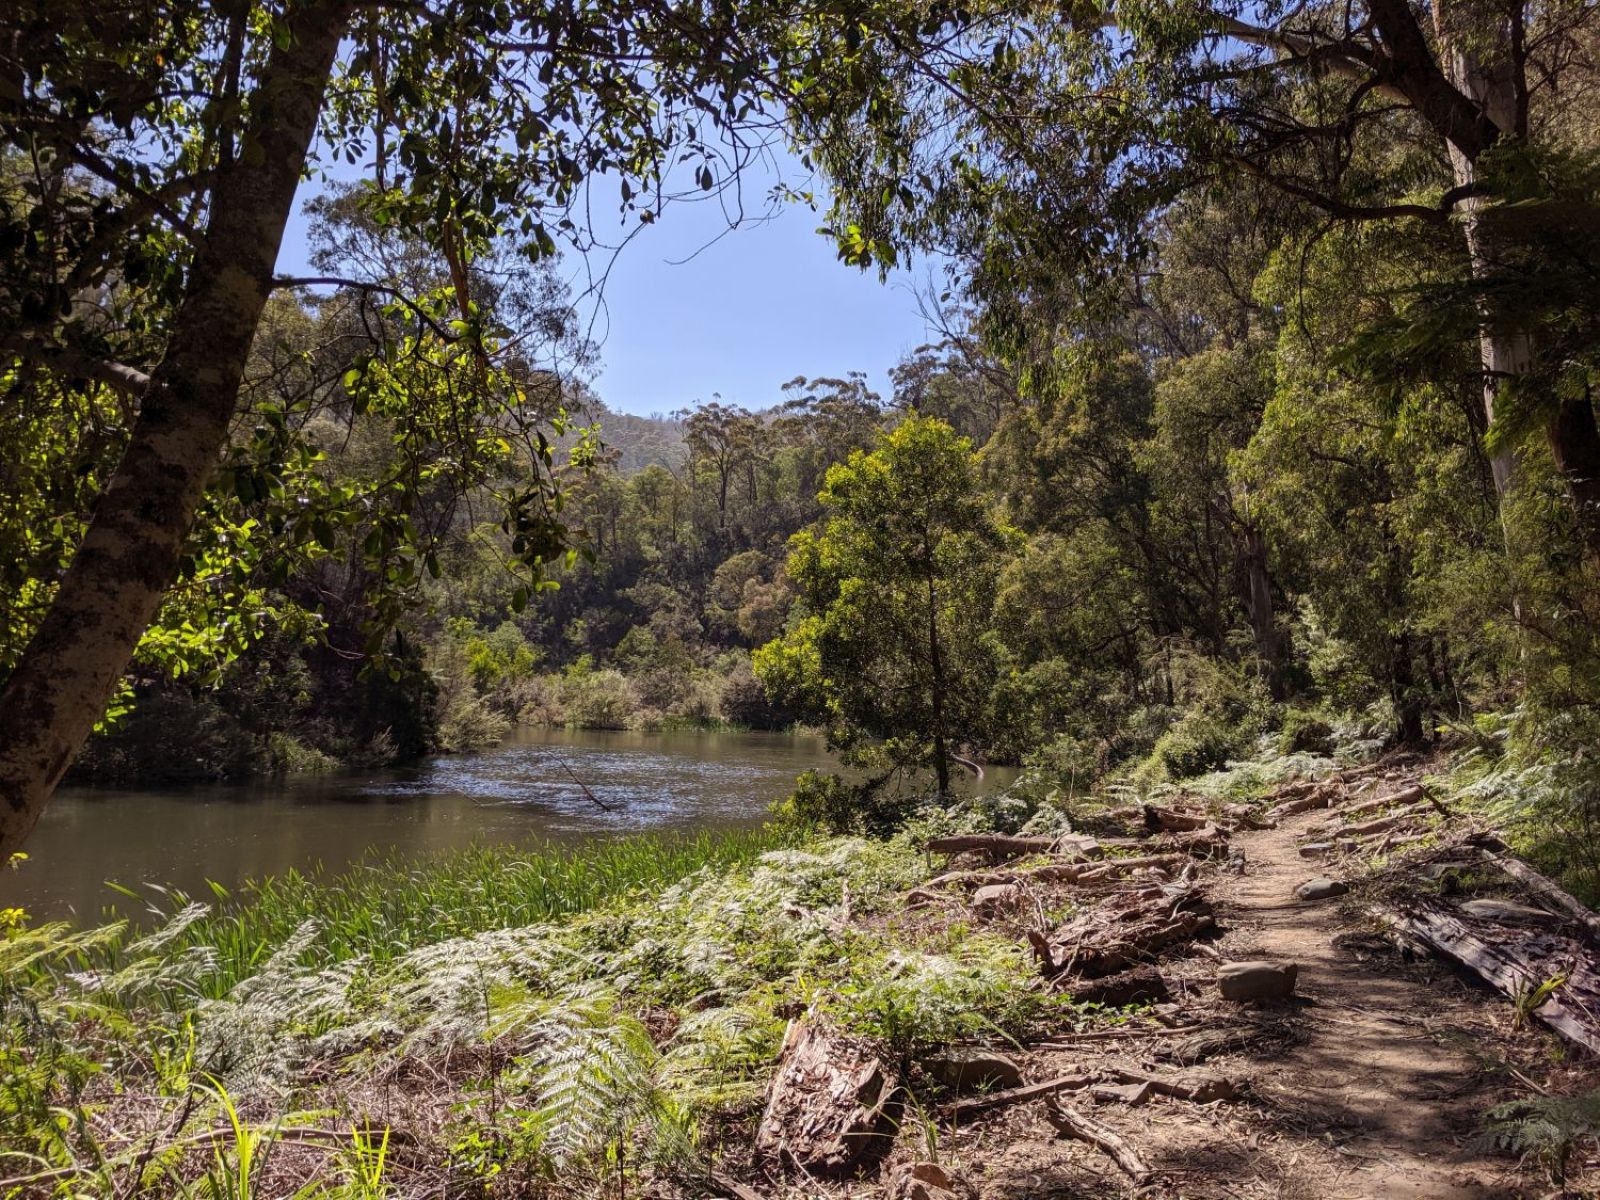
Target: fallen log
[
  {"x": 1382, "y": 824},
  {"x": 1248, "y": 816},
  {"x": 1115, "y": 868},
  {"x": 1206, "y": 842},
  {"x": 995, "y": 845},
  {"x": 1074, "y": 1124},
  {"x": 1496, "y": 852},
  {"x": 832, "y": 1107},
  {"x": 1171, "y": 820},
  {"x": 1202, "y": 1089},
  {"x": 1408, "y": 795},
  {"x": 1517, "y": 966},
  {"x": 1049, "y": 873},
  {"x": 977, "y": 1104}
]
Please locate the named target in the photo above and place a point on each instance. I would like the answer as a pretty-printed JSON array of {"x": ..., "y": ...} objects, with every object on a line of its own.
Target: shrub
[
  {"x": 1305, "y": 733},
  {"x": 599, "y": 700}
]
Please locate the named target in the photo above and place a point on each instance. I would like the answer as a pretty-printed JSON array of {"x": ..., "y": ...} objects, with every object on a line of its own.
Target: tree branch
[{"x": 128, "y": 380}]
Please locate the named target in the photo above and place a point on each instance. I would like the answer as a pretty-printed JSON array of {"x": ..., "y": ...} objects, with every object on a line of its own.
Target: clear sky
[{"x": 751, "y": 310}]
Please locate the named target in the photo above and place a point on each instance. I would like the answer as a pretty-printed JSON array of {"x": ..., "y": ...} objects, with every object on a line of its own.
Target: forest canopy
[{"x": 1265, "y": 391}]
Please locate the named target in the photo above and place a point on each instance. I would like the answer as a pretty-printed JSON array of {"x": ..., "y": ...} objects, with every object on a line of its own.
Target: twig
[
  {"x": 977, "y": 1104},
  {"x": 593, "y": 799}
]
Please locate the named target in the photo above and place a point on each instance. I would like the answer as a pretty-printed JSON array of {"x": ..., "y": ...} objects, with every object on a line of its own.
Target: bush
[
  {"x": 1305, "y": 733},
  {"x": 833, "y": 803},
  {"x": 599, "y": 700},
  {"x": 1199, "y": 742},
  {"x": 745, "y": 702}
]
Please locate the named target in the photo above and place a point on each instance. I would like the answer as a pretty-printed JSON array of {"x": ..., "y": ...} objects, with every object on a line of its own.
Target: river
[{"x": 527, "y": 788}]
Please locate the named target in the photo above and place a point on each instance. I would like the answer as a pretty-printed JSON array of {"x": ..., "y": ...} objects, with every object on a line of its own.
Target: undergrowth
[{"x": 514, "y": 1021}]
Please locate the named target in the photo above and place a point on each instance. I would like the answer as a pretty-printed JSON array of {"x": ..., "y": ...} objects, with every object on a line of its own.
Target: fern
[
  {"x": 1546, "y": 1128},
  {"x": 592, "y": 1078}
]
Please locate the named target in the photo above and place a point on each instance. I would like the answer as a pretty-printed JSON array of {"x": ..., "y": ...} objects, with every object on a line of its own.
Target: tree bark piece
[
  {"x": 1133, "y": 986},
  {"x": 978, "y": 1104},
  {"x": 1208, "y": 1044},
  {"x": 832, "y": 1106},
  {"x": 1495, "y": 852},
  {"x": 1074, "y": 1124},
  {"x": 1121, "y": 931},
  {"x": 1516, "y": 962}
]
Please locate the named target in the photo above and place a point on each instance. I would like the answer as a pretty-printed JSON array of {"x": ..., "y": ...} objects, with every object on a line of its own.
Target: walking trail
[{"x": 1372, "y": 1083}]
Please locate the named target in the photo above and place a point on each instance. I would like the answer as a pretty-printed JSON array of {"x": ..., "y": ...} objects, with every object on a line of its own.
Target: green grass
[{"x": 385, "y": 907}]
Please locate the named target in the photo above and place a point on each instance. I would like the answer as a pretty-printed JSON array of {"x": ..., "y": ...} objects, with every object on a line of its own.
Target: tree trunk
[
  {"x": 1251, "y": 550},
  {"x": 1408, "y": 703},
  {"x": 129, "y": 556},
  {"x": 1575, "y": 444},
  {"x": 941, "y": 751},
  {"x": 1495, "y": 89}
]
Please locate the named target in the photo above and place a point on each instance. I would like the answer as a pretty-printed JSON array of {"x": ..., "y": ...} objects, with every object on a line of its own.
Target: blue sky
[{"x": 747, "y": 312}]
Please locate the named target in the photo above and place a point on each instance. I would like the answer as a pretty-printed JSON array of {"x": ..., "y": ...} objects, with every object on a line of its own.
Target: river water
[{"x": 522, "y": 790}]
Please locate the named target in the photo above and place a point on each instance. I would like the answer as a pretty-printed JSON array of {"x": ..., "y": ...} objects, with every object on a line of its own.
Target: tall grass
[{"x": 385, "y": 907}]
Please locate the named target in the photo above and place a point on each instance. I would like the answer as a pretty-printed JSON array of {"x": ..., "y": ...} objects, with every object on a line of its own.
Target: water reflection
[{"x": 526, "y": 788}]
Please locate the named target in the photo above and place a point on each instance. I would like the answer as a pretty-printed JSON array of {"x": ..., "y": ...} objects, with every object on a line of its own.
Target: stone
[
  {"x": 996, "y": 899},
  {"x": 1320, "y": 888},
  {"x": 928, "y": 1181},
  {"x": 1504, "y": 911},
  {"x": 971, "y": 1069},
  {"x": 1316, "y": 850},
  {"x": 1257, "y": 980}
]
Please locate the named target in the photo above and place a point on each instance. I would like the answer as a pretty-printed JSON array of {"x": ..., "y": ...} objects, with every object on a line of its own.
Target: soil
[{"x": 1372, "y": 1082}]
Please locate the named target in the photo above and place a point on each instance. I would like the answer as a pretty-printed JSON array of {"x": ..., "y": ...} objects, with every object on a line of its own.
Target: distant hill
[{"x": 641, "y": 441}]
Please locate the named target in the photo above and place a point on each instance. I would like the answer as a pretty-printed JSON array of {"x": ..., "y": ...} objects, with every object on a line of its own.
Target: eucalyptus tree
[
  {"x": 151, "y": 155},
  {"x": 1041, "y": 144}
]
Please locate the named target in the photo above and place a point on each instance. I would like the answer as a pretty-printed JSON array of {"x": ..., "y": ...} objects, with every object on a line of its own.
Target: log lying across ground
[
  {"x": 1000, "y": 846},
  {"x": 1517, "y": 961},
  {"x": 832, "y": 1108},
  {"x": 1408, "y": 795},
  {"x": 1172, "y": 820}
]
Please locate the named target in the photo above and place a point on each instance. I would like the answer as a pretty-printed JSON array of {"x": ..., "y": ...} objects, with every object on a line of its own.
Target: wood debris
[
  {"x": 832, "y": 1107},
  {"x": 1074, "y": 1124}
]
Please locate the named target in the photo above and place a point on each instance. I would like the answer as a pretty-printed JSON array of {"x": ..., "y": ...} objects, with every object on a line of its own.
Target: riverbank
[
  {"x": 533, "y": 788},
  {"x": 610, "y": 1023}
]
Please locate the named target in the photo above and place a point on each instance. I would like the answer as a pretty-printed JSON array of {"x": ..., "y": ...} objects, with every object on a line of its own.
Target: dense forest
[{"x": 1248, "y": 501}]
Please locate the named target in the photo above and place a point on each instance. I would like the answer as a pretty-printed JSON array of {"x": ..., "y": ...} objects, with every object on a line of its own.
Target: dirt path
[
  {"x": 1382, "y": 1066},
  {"x": 1371, "y": 1084}
]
